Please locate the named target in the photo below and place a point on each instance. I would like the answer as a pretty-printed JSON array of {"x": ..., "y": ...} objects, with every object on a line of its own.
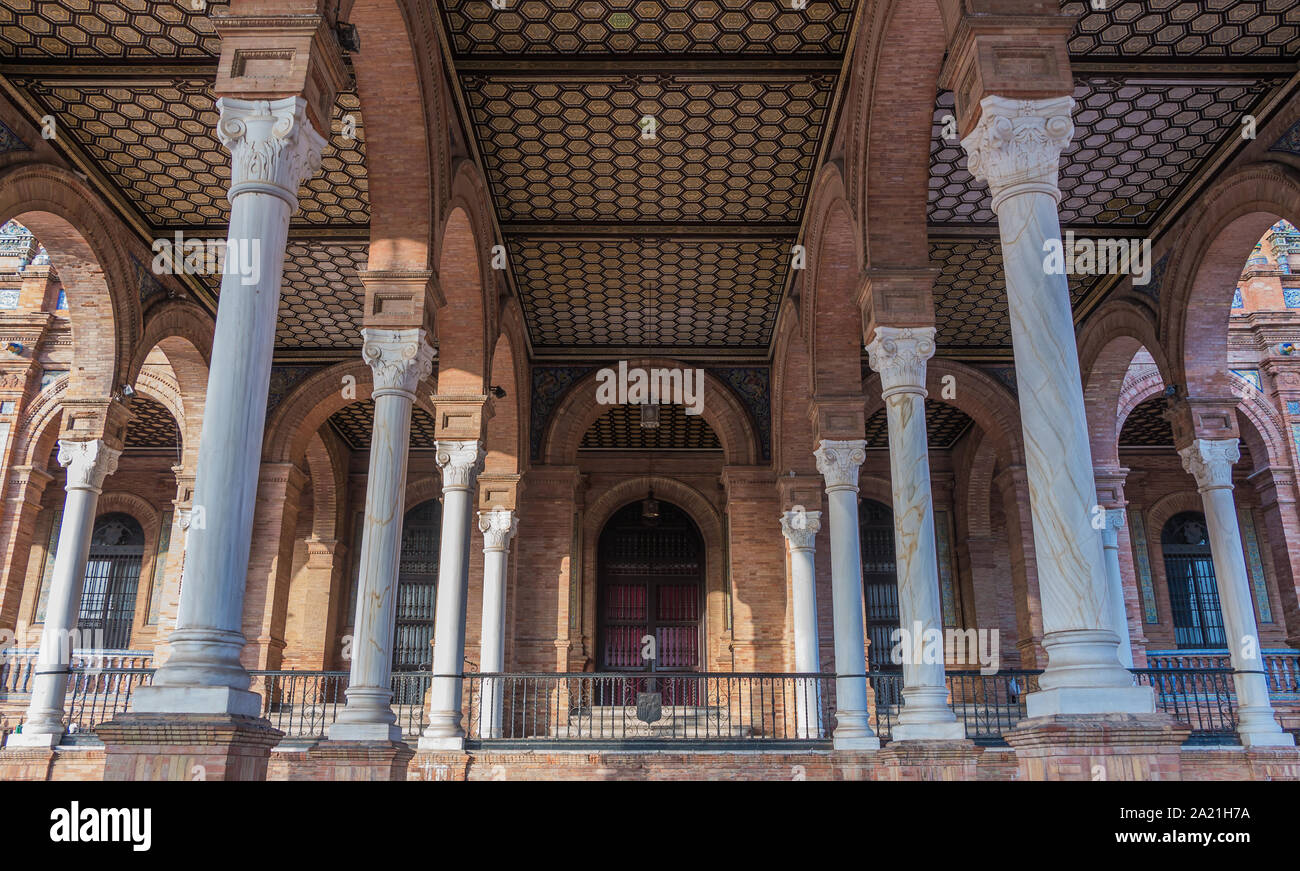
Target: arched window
[
  {"x": 879, "y": 580},
  {"x": 112, "y": 578},
  {"x": 1193, "y": 594},
  {"x": 417, "y": 587}
]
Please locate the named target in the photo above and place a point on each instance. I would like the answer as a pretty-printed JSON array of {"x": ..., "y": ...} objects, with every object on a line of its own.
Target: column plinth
[
  {"x": 899, "y": 356},
  {"x": 838, "y": 461},
  {"x": 400, "y": 359},
  {"x": 1210, "y": 462},
  {"x": 1016, "y": 147}
]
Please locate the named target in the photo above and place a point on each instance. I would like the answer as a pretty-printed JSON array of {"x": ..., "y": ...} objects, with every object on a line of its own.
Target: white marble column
[
  {"x": 1016, "y": 147},
  {"x": 460, "y": 462},
  {"x": 800, "y": 528},
  {"x": 899, "y": 355},
  {"x": 273, "y": 150},
  {"x": 88, "y": 464},
  {"x": 400, "y": 359},
  {"x": 498, "y": 527},
  {"x": 1115, "y": 584},
  {"x": 1210, "y": 462},
  {"x": 838, "y": 461}
]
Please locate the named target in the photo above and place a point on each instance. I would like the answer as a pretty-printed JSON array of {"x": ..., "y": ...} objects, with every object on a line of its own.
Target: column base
[
  {"x": 1099, "y": 747},
  {"x": 1257, "y": 727},
  {"x": 928, "y": 760},
  {"x": 852, "y": 732},
  {"x": 1089, "y": 701},
  {"x": 206, "y": 700},
  {"x": 354, "y": 760},
  {"x": 146, "y": 746},
  {"x": 365, "y": 732},
  {"x": 925, "y": 716},
  {"x": 442, "y": 742},
  {"x": 44, "y": 740},
  {"x": 911, "y": 732}
]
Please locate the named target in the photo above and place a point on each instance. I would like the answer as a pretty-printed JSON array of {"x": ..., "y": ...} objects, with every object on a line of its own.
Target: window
[
  {"x": 112, "y": 578},
  {"x": 1193, "y": 593}
]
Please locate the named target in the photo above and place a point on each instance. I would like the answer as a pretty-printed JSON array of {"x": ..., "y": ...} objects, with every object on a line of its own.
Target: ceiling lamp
[
  {"x": 649, "y": 416},
  {"x": 650, "y": 509}
]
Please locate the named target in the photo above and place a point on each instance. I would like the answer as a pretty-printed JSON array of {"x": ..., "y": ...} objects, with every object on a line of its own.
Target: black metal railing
[
  {"x": 96, "y": 695},
  {"x": 304, "y": 704},
  {"x": 1203, "y": 698},
  {"x": 988, "y": 705},
  {"x": 641, "y": 709}
]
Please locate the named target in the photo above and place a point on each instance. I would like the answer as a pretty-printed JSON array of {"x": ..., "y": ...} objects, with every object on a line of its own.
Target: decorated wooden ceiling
[{"x": 649, "y": 161}]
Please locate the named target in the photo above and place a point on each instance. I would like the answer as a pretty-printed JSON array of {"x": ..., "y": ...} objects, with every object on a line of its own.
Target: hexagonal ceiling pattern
[
  {"x": 649, "y": 27},
  {"x": 121, "y": 29},
  {"x": 157, "y": 142},
  {"x": 646, "y": 292},
  {"x": 580, "y": 150},
  {"x": 1146, "y": 427},
  {"x": 151, "y": 426},
  {"x": 620, "y": 429},
  {"x": 1183, "y": 28},
  {"x": 970, "y": 300},
  {"x": 944, "y": 425},
  {"x": 1134, "y": 147},
  {"x": 354, "y": 423}
]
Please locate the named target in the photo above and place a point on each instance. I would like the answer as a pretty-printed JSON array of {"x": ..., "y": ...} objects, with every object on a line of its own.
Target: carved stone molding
[
  {"x": 273, "y": 146},
  {"x": 800, "y": 528},
  {"x": 1210, "y": 462},
  {"x": 88, "y": 463},
  {"x": 899, "y": 354},
  {"x": 400, "y": 359},
  {"x": 1016, "y": 145},
  {"x": 839, "y": 461},
  {"x": 460, "y": 462}
]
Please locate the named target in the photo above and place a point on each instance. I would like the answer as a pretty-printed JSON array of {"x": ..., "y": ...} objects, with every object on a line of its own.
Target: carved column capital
[
  {"x": 460, "y": 461},
  {"x": 88, "y": 463},
  {"x": 1116, "y": 519},
  {"x": 498, "y": 527},
  {"x": 838, "y": 461},
  {"x": 800, "y": 528},
  {"x": 400, "y": 359},
  {"x": 1210, "y": 462},
  {"x": 899, "y": 354},
  {"x": 1016, "y": 145},
  {"x": 273, "y": 146}
]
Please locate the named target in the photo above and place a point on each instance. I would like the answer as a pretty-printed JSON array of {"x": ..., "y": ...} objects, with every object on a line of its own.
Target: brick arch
[
  {"x": 876, "y": 488},
  {"x": 83, "y": 240},
  {"x": 506, "y": 434},
  {"x": 979, "y": 488},
  {"x": 1264, "y": 434},
  {"x": 164, "y": 390},
  {"x": 830, "y": 315},
  {"x": 328, "y": 468},
  {"x": 1134, "y": 393},
  {"x": 304, "y": 411},
  {"x": 988, "y": 403},
  {"x": 792, "y": 431},
  {"x": 579, "y": 410},
  {"x": 466, "y": 319},
  {"x": 708, "y": 519},
  {"x": 421, "y": 490},
  {"x": 40, "y": 429},
  {"x": 1211, "y": 250}
]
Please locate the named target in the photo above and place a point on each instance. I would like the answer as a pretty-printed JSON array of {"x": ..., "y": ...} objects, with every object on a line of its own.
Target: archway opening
[
  {"x": 1193, "y": 593},
  {"x": 112, "y": 578}
]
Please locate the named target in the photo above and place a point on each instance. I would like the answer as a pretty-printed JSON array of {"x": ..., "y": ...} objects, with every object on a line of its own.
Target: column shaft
[
  {"x": 800, "y": 528},
  {"x": 1115, "y": 585},
  {"x": 498, "y": 528}
]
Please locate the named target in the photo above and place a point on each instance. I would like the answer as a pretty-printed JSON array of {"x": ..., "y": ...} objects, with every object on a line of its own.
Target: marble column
[
  {"x": 1114, "y": 521},
  {"x": 1016, "y": 147},
  {"x": 273, "y": 150},
  {"x": 88, "y": 464},
  {"x": 498, "y": 527},
  {"x": 899, "y": 355},
  {"x": 838, "y": 461},
  {"x": 1210, "y": 462},
  {"x": 400, "y": 359},
  {"x": 460, "y": 462},
  {"x": 800, "y": 528}
]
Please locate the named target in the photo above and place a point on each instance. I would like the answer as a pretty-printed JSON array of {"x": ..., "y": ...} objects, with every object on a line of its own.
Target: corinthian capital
[
  {"x": 498, "y": 526},
  {"x": 838, "y": 461},
  {"x": 88, "y": 463},
  {"x": 399, "y": 358},
  {"x": 1210, "y": 462},
  {"x": 800, "y": 528},
  {"x": 273, "y": 147},
  {"x": 460, "y": 462},
  {"x": 898, "y": 354},
  {"x": 1017, "y": 145}
]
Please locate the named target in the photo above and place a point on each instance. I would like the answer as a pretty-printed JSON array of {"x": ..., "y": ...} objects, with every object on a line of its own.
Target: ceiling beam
[
  {"x": 656, "y": 231},
  {"x": 622, "y": 65}
]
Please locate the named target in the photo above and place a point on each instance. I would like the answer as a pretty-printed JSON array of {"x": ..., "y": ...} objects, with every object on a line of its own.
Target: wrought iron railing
[
  {"x": 1203, "y": 698},
  {"x": 988, "y": 705},
  {"x": 642, "y": 709},
  {"x": 18, "y": 667},
  {"x": 1281, "y": 667},
  {"x": 96, "y": 695}
]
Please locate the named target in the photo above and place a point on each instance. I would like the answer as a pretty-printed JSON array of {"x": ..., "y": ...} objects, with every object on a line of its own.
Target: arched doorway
[
  {"x": 879, "y": 581},
  {"x": 112, "y": 579},
  {"x": 417, "y": 586},
  {"x": 1193, "y": 593},
  {"x": 650, "y": 579}
]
